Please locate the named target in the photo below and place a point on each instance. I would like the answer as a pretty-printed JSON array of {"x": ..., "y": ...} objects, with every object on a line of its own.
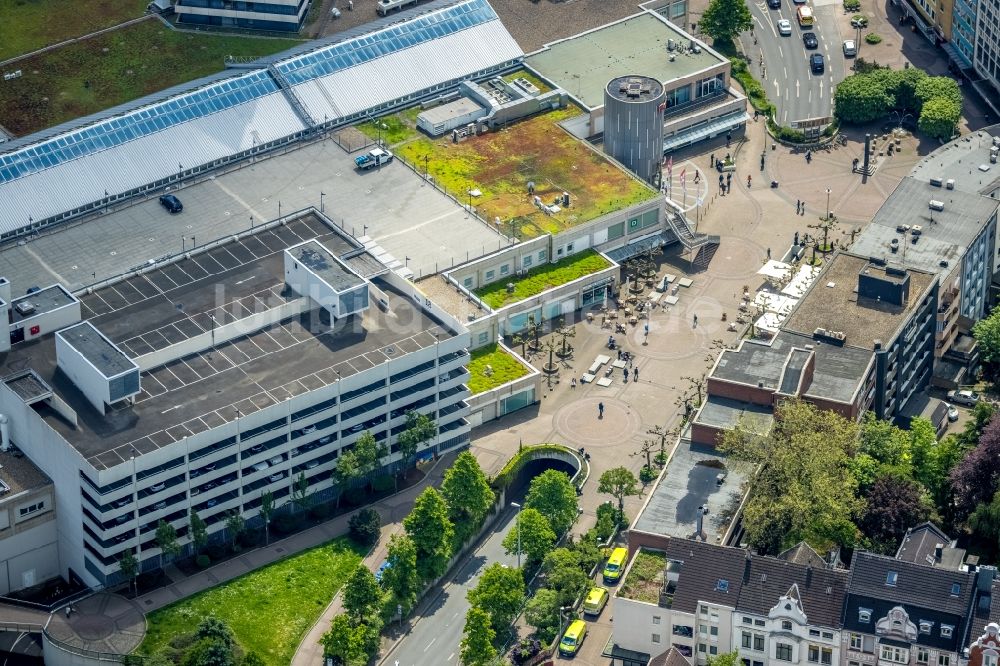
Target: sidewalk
[{"x": 393, "y": 510}]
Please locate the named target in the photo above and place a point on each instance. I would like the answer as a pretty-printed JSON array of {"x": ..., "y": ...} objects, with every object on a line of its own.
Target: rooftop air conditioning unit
[
  {"x": 24, "y": 308},
  {"x": 936, "y": 205}
]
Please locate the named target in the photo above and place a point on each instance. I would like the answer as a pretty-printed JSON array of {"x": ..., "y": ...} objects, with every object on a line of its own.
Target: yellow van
[
  {"x": 573, "y": 638},
  {"x": 805, "y": 15},
  {"x": 596, "y": 600},
  {"x": 616, "y": 564}
]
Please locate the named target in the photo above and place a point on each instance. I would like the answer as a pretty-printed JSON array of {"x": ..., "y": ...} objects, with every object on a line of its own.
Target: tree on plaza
[
  {"x": 400, "y": 578},
  {"x": 468, "y": 495},
  {"x": 803, "y": 489},
  {"x": 564, "y": 575},
  {"x": 431, "y": 530},
  {"x": 235, "y": 526},
  {"x": 499, "y": 592},
  {"x": 345, "y": 472},
  {"x": 128, "y": 565},
  {"x": 938, "y": 87},
  {"x": 904, "y": 94},
  {"x": 987, "y": 334},
  {"x": 619, "y": 483},
  {"x": 553, "y": 494},
  {"x": 362, "y": 595},
  {"x": 975, "y": 479},
  {"x": 477, "y": 642},
  {"x": 542, "y": 613},
  {"x": 723, "y": 20},
  {"x": 420, "y": 429},
  {"x": 346, "y": 641},
  {"x": 369, "y": 453},
  {"x": 301, "y": 498},
  {"x": 534, "y": 535},
  {"x": 861, "y": 98},
  {"x": 199, "y": 531},
  {"x": 893, "y": 504},
  {"x": 938, "y": 118},
  {"x": 166, "y": 540}
]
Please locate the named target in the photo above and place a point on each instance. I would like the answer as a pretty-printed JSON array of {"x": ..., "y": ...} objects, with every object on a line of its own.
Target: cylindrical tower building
[{"x": 633, "y": 124}]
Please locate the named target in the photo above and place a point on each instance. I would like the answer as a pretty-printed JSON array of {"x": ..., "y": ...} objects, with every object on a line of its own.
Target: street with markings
[{"x": 782, "y": 62}]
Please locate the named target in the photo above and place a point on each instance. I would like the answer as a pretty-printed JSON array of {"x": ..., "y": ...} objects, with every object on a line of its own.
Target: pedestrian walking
[
  {"x": 625, "y": 372},
  {"x": 697, "y": 177},
  {"x": 748, "y": 180},
  {"x": 729, "y": 138},
  {"x": 619, "y": 354},
  {"x": 635, "y": 375},
  {"x": 696, "y": 320},
  {"x": 600, "y": 410},
  {"x": 769, "y": 254},
  {"x": 798, "y": 204},
  {"x": 573, "y": 383}
]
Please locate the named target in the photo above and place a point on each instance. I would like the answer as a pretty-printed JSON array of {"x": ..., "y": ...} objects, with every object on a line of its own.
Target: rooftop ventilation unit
[
  {"x": 24, "y": 308},
  {"x": 836, "y": 337},
  {"x": 933, "y": 204}
]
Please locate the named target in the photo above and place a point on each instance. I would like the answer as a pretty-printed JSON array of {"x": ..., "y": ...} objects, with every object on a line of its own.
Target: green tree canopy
[
  {"x": 985, "y": 521},
  {"x": 905, "y": 88},
  {"x": 166, "y": 540},
  {"x": 723, "y": 20},
  {"x": 431, "y": 530},
  {"x": 199, "y": 531},
  {"x": 553, "y": 494},
  {"x": 499, "y": 592},
  {"x": 400, "y": 578},
  {"x": 861, "y": 98},
  {"x": 938, "y": 118},
  {"x": 727, "y": 659},
  {"x": 804, "y": 489},
  {"x": 467, "y": 493},
  {"x": 987, "y": 334},
  {"x": 619, "y": 483},
  {"x": 564, "y": 575},
  {"x": 346, "y": 641},
  {"x": 542, "y": 613},
  {"x": 938, "y": 87},
  {"x": 419, "y": 429},
  {"x": 128, "y": 564},
  {"x": 362, "y": 597},
  {"x": 477, "y": 642},
  {"x": 369, "y": 453},
  {"x": 536, "y": 536},
  {"x": 884, "y": 442}
]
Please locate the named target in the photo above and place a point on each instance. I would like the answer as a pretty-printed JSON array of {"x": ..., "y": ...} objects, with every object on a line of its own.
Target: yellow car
[
  {"x": 616, "y": 564},
  {"x": 573, "y": 638},
  {"x": 596, "y": 600}
]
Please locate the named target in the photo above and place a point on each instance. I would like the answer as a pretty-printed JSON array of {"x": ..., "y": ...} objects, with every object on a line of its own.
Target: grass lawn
[
  {"x": 541, "y": 278},
  {"x": 500, "y": 165},
  {"x": 506, "y": 368},
  {"x": 114, "y": 68},
  {"x": 270, "y": 609},
  {"x": 645, "y": 579},
  {"x": 399, "y": 127},
  {"x": 29, "y": 25},
  {"x": 525, "y": 74}
]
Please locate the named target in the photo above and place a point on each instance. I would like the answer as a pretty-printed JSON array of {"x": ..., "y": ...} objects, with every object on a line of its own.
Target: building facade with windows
[
  {"x": 279, "y": 15},
  {"x": 248, "y": 378},
  {"x": 29, "y": 553},
  {"x": 899, "y": 613}
]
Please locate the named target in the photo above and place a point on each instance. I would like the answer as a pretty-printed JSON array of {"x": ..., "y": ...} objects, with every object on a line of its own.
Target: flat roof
[
  {"x": 961, "y": 160},
  {"x": 944, "y": 235},
  {"x": 688, "y": 483},
  {"x": 583, "y": 65},
  {"x": 634, "y": 88},
  {"x": 445, "y": 112},
  {"x": 719, "y": 412},
  {"x": 101, "y": 353},
  {"x": 19, "y": 474},
  {"x": 204, "y": 390},
  {"x": 325, "y": 266},
  {"x": 833, "y": 304},
  {"x": 45, "y": 300},
  {"x": 837, "y": 372}
]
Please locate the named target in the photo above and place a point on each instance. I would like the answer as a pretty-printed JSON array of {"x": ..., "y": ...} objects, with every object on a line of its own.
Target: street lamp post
[
  {"x": 518, "y": 521},
  {"x": 828, "y": 204},
  {"x": 321, "y": 195}
]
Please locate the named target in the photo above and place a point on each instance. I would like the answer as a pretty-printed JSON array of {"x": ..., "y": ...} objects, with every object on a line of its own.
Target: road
[
  {"x": 791, "y": 86},
  {"x": 434, "y": 640}
]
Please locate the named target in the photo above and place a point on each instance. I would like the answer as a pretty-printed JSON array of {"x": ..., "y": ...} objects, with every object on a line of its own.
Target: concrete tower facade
[{"x": 633, "y": 124}]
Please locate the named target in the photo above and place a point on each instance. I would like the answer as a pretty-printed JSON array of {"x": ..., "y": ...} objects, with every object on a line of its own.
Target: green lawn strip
[
  {"x": 270, "y": 609},
  {"x": 525, "y": 74},
  {"x": 399, "y": 127},
  {"x": 27, "y": 26},
  {"x": 116, "y": 67},
  {"x": 645, "y": 578},
  {"x": 542, "y": 278},
  {"x": 505, "y": 368}
]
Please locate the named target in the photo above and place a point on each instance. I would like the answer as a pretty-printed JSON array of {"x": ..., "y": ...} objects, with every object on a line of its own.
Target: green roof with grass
[
  {"x": 98, "y": 73},
  {"x": 505, "y": 368},
  {"x": 269, "y": 610},
  {"x": 645, "y": 579},
  {"x": 500, "y": 164},
  {"x": 542, "y": 278}
]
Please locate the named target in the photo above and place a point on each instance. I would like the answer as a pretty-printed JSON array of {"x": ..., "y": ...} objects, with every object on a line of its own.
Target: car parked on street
[
  {"x": 850, "y": 48},
  {"x": 952, "y": 413}
]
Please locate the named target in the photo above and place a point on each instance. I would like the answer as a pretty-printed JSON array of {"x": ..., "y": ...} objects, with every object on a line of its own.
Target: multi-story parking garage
[{"x": 200, "y": 383}]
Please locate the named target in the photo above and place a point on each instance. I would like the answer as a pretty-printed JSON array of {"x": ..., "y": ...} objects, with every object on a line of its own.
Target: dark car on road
[
  {"x": 809, "y": 39},
  {"x": 171, "y": 203},
  {"x": 774, "y": 4},
  {"x": 816, "y": 63}
]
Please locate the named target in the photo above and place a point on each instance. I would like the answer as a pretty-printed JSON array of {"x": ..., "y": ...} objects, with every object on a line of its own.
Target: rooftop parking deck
[{"x": 209, "y": 388}]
